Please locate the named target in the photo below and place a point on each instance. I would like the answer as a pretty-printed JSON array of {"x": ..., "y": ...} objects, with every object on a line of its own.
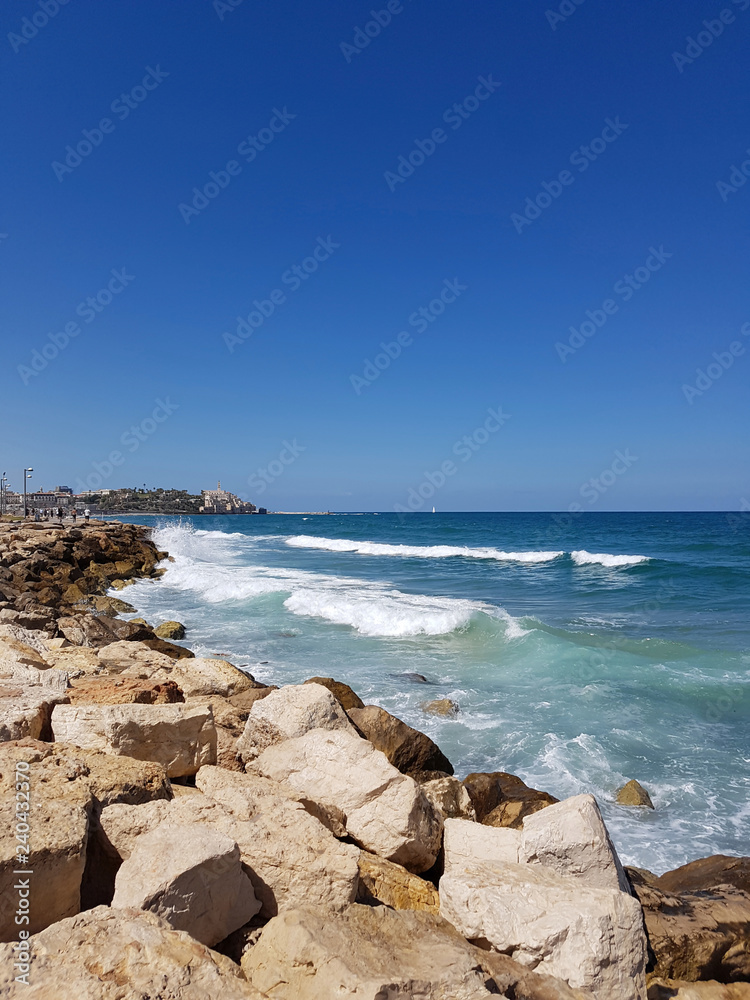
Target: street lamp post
[
  {"x": 26, "y": 475},
  {"x": 3, "y": 488}
]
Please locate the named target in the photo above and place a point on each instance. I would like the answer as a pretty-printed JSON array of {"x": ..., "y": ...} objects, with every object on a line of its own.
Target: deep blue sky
[{"x": 323, "y": 176}]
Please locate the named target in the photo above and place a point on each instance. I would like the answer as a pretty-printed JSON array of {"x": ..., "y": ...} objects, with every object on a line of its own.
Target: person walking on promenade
[
  {"x": 87, "y": 514},
  {"x": 74, "y": 514}
]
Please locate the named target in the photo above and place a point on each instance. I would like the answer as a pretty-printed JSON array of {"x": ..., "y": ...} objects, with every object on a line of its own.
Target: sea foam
[{"x": 366, "y": 548}]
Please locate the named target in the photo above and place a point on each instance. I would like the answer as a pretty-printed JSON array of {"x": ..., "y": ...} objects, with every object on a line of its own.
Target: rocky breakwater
[{"x": 169, "y": 826}]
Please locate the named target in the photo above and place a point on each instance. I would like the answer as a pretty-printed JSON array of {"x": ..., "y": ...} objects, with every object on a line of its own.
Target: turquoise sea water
[{"x": 583, "y": 651}]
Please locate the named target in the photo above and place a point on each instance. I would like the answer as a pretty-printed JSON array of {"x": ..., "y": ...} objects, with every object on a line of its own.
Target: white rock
[
  {"x": 590, "y": 937},
  {"x": 12, "y": 673},
  {"x": 16, "y": 651},
  {"x": 181, "y": 737},
  {"x": 33, "y": 638},
  {"x": 106, "y": 954},
  {"x": 570, "y": 838},
  {"x": 119, "y": 656},
  {"x": 26, "y": 711},
  {"x": 450, "y": 796},
  {"x": 386, "y": 812},
  {"x": 468, "y": 843},
  {"x": 192, "y": 877},
  {"x": 367, "y": 953},
  {"x": 290, "y": 857},
  {"x": 291, "y": 711},
  {"x": 193, "y": 675}
]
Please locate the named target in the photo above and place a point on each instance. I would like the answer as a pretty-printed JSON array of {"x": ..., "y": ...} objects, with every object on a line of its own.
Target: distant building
[
  {"x": 63, "y": 489},
  {"x": 220, "y": 501}
]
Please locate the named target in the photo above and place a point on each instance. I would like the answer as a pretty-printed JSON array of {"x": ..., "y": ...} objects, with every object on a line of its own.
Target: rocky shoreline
[{"x": 172, "y": 827}]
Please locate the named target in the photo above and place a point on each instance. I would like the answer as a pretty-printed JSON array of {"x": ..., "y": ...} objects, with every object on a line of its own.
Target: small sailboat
[{"x": 433, "y": 510}]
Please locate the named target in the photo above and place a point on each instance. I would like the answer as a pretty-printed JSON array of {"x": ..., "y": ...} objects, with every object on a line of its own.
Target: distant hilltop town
[{"x": 60, "y": 499}]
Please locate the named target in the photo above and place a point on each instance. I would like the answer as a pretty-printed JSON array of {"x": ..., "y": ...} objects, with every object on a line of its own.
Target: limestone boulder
[
  {"x": 290, "y": 712},
  {"x": 407, "y": 749},
  {"x": 342, "y": 692},
  {"x": 75, "y": 660},
  {"x": 570, "y": 838},
  {"x": 673, "y": 989},
  {"x": 465, "y": 842},
  {"x": 13, "y": 635},
  {"x": 108, "y": 954},
  {"x": 18, "y": 674},
  {"x": 15, "y": 652},
  {"x": 382, "y": 881},
  {"x": 170, "y": 630},
  {"x": 365, "y": 952},
  {"x": 286, "y": 843},
  {"x": 172, "y": 649},
  {"x": 135, "y": 657},
  {"x": 121, "y": 690},
  {"x": 444, "y": 707},
  {"x": 26, "y": 711},
  {"x": 502, "y": 799},
  {"x": 590, "y": 937},
  {"x": 708, "y": 873},
  {"x": 205, "y": 676},
  {"x": 230, "y": 716},
  {"x": 450, "y": 797},
  {"x": 191, "y": 875},
  {"x": 699, "y": 934},
  {"x": 385, "y": 811},
  {"x": 180, "y": 737},
  {"x": 86, "y": 630},
  {"x": 634, "y": 794}
]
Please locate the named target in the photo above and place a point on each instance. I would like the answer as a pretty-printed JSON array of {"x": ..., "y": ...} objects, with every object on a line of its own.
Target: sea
[{"x": 582, "y": 650}]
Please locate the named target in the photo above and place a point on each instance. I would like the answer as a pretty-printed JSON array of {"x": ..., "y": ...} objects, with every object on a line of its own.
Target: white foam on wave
[
  {"x": 584, "y": 558},
  {"x": 213, "y": 566},
  {"x": 366, "y": 548}
]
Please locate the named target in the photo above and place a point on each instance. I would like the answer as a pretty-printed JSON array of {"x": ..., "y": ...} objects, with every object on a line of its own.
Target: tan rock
[
  {"x": 170, "y": 630},
  {"x": 135, "y": 657},
  {"x": 465, "y": 843},
  {"x": 502, "y": 799},
  {"x": 15, "y": 652},
  {"x": 673, "y": 989},
  {"x": 76, "y": 660},
  {"x": 365, "y": 952},
  {"x": 286, "y": 844},
  {"x": 708, "y": 873},
  {"x": 206, "y": 676},
  {"x": 289, "y": 856},
  {"x": 342, "y": 692},
  {"x": 290, "y": 712},
  {"x": 702, "y": 934},
  {"x": 382, "y": 881},
  {"x": 407, "y": 749},
  {"x": 386, "y": 812},
  {"x": 591, "y": 938},
  {"x": 190, "y": 875},
  {"x": 180, "y": 737},
  {"x": 445, "y": 707},
  {"x": 18, "y": 674},
  {"x": 634, "y": 794},
  {"x": 121, "y": 690},
  {"x": 450, "y": 797},
  {"x": 27, "y": 711},
  {"x": 570, "y": 838},
  {"x": 107, "y": 954}
]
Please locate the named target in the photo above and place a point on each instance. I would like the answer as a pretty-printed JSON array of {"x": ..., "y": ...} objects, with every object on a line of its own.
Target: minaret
[{"x": 218, "y": 485}]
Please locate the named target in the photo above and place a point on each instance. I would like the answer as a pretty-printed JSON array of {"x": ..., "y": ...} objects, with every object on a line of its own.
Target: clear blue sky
[{"x": 200, "y": 78}]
